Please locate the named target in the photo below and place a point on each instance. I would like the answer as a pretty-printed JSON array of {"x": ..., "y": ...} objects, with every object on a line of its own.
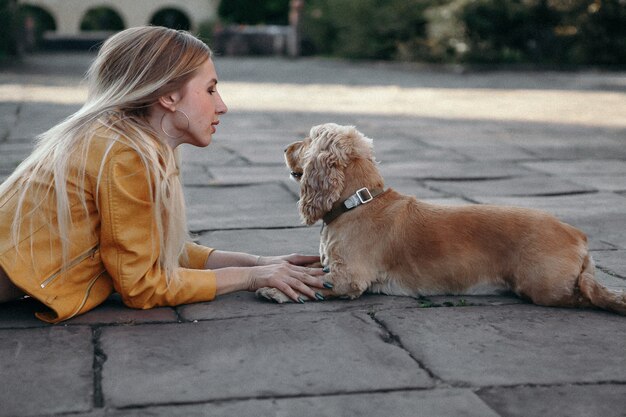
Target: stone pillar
[{"x": 295, "y": 14}]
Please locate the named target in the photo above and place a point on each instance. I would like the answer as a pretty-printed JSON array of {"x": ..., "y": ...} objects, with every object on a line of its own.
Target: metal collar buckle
[
  {"x": 364, "y": 195},
  {"x": 361, "y": 196}
]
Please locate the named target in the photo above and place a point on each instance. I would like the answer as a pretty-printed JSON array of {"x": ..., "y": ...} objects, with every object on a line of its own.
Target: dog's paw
[{"x": 273, "y": 294}]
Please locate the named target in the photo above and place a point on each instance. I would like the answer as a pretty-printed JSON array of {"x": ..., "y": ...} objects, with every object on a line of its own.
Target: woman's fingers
[
  {"x": 300, "y": 280},
  {"x": 297, "y": 259},
  {"x": 288, "y": 291},
  {"x": 294, "y": 281}
]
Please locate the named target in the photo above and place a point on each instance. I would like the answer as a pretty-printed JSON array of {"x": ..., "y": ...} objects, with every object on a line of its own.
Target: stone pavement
[{"x": 554, "y": 141}]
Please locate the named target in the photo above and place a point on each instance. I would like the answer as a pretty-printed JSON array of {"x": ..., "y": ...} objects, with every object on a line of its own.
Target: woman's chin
[{"x": 203, "y": 142}]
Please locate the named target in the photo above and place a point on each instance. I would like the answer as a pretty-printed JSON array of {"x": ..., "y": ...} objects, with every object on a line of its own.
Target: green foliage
[
  {"x": 509, "y": 30},
  {"x": 171, "y": 18},
  {"x": 601, "y": 34},
  {"x": 555, "y": 32},
  {"x": 546, "y": 31},
  {"x": 102, "y": 18},
  {"x": 205, "y": 31},
  {"x": 253, "y": 12},
  {"x": 379, "y": 29},
  {"x": 8, "y": 23}
]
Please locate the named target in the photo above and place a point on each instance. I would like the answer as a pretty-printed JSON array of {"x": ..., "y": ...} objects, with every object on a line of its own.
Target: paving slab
[
  {"x": 46, "y": 371},
  {"x": 562, "y": 136},
  {"x": 289, "y": 355},
  {"x": 8, "y": 118},
  {"x": 497, "y": 151},
  {"x": 13, "y": 153},
  {"x": 234, "y": 175},
  {"x": 513, "y": 344},
  {"x": 601, "y": 166},
  {"x": 10, "y": 161},
  {"x": 246, "y": 304},
  {"x": 215, "y": 208},
  {"x": 452, "y": 170},
  {"x": 600, "y": 215},
  {"x": 213, "y": 155},
  {"x": 413, "y": 187},
  {"x": 611, "y": 182},
  {"x": 23, "y": 147},
  {"x": 35, "y": 118},
  {"x": 195, "y": 175},
  {"x": 612, "y": 261},
  {"x": 522, "y": 186},
  {"x": 265, "y": 148},
  {"x": 405, "y": 148},
  {"x": 469, "y": 300},
  {"x": 607, "y": 400},
  {"x": 114, "y": 312},
  {"x": 440, "y": 402},
  {"x": 607, "y": 228},
  {"x": 610, "y": 280},
  {"x": 460, "y": 134},
  {"x": 304, "y": 240},
  {"x": 567, "y": 206},
  {"x": 588, "y": 150}
]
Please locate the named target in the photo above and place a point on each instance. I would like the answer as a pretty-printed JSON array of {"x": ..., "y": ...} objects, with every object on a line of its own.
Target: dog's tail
[{"x": 598, "y": 294}]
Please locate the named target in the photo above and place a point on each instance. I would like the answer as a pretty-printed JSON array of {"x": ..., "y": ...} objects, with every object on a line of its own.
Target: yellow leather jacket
[{"x": 110, "y": 249}]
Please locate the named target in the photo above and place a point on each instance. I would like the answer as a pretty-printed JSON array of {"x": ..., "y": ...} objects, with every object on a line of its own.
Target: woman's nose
[{"x": 221, "y": 107}]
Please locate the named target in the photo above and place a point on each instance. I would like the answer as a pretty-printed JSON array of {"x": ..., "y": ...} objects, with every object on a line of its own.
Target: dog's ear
[
  {"x": 323, "y": 177},
  {"x": 321, "y": 185}
]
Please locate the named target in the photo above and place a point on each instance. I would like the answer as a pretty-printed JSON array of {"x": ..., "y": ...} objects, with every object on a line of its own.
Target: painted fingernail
[
  {"x": 326, "y": 269},
  {"x": 301, "y": 300},
  {"x": 319, "y": 296},
  {"x": 328, "y": 285}
]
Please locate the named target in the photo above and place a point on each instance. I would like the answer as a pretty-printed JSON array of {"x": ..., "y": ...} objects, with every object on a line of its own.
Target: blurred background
[{"x": 544, "y": 33}]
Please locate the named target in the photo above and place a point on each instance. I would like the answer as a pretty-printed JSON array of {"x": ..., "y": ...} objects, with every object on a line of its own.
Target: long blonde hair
[{"x": 132, "y": 70}]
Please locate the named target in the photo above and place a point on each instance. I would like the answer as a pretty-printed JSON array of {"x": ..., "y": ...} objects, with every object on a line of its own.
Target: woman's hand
[
  {"x": 294, "y": 259},
  {"x": 295, "y": 275},
  {"x": 286, "y": 274}
]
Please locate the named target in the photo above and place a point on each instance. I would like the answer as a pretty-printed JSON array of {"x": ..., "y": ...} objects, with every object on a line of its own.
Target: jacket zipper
[
  {"x": 89, "y": 287},
  {"x": 75, "y": 262}
]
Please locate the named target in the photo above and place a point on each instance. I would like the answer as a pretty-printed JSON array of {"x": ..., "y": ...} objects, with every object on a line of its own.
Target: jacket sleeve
[
  {"x": 129, "y": 243},
  {"x": 195, "y": 256}
]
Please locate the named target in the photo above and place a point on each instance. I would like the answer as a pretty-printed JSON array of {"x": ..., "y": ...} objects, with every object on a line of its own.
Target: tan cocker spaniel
[{"x": 378, "y": 240}]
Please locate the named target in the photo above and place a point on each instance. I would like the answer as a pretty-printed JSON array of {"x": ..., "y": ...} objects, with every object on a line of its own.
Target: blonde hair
[{"x": 132, "y": 70}]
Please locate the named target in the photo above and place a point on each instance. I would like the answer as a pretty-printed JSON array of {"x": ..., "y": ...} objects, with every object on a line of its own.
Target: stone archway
[
  {"x": 101, "y": 18},
  {"x": 171, "y": 18},
  {"x": 36, "y": 21},
  {"x": 69, "y": 13}
]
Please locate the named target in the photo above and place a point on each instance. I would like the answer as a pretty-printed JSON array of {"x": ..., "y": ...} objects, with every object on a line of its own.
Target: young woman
[{"x": 98, "y": 206}]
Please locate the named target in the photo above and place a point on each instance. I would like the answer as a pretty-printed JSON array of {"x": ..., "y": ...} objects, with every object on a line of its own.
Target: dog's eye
[{"x": 296, "y": 174}]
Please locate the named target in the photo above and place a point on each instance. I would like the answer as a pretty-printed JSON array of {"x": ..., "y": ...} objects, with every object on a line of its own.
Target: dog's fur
[{"x": 398, "y": 245}]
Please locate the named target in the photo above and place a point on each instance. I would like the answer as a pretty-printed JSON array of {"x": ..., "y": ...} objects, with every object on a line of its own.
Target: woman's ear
[{"x": 170, "y": 100}]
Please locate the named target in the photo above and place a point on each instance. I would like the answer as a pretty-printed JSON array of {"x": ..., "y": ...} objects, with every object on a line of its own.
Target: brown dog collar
[{"x": 362, "y": 196}]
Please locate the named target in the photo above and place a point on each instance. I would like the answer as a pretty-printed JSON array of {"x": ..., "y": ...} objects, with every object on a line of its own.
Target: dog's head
[{"x": 319, "y": 163}]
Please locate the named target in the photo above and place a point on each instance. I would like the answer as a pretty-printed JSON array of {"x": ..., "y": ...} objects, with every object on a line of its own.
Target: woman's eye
[{"x": 212, "y": 90}]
